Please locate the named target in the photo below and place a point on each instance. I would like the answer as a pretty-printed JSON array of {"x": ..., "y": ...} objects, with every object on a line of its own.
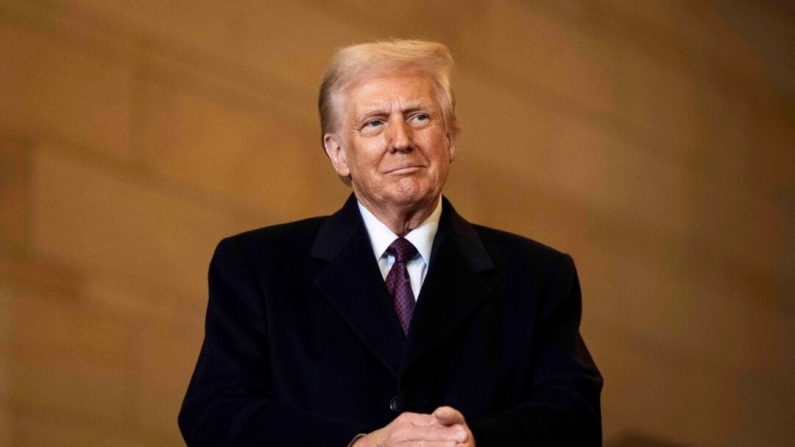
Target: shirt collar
[{"x": 421, "y": 237}]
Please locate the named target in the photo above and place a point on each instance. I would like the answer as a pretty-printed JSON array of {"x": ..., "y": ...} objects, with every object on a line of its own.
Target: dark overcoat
[{"x": 303, "y": 348}]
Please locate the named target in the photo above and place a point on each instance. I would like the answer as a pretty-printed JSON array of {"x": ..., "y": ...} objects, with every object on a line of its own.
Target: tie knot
[{"x": 403, "y": 250}]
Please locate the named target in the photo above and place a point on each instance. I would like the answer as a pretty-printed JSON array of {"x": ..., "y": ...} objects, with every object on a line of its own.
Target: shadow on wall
[{"x": 641, "y": 440}]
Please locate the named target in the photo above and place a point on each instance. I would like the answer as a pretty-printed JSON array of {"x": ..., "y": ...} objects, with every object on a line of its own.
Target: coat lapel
[
  {"x": 460, "y": 277},
  {"x": 352, "y": 283}
]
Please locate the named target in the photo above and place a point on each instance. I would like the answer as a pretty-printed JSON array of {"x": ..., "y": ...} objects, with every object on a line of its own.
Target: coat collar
[
  {"x": 460, "y": 277},
  {"x": 458, "y": 281}
]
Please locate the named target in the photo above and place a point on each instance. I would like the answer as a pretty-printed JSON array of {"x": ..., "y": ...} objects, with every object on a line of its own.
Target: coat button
[{"x": 394, "y": 404}]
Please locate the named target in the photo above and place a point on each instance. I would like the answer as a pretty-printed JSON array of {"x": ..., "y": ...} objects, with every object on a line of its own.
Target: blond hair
[{"x": 352, "y": 63}]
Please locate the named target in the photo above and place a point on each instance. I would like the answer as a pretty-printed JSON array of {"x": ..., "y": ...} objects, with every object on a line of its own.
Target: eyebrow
[{"x": 382, "y": 109}]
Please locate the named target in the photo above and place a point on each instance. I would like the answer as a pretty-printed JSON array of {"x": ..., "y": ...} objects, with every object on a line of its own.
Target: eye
[
  {"x": 372, "y": 126},
  {"x": 420, "y": 119},
  {"x": 373, "y": 123}
]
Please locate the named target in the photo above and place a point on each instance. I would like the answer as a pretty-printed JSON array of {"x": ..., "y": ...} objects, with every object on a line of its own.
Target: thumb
[{"x": 448, "y": 416}]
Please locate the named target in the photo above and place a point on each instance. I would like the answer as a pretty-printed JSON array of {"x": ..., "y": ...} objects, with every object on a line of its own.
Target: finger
[
  {"x": 432, "y": 444},
  {"x": 448, "y": 416},
  {"x": 418, "y": 419},
  {"x": 428, "y": 433},
  {"x": 429, "y": 444}
]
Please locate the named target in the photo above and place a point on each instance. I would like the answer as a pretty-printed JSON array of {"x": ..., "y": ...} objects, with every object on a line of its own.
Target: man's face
[{"x": 392, "y": 141}]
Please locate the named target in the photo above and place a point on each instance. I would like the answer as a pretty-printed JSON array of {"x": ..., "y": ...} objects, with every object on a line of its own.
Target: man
[{"x": 393, "y": 322}]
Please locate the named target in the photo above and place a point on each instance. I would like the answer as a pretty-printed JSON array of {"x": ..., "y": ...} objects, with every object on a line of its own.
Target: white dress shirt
[{"x": 381, "y": 237}]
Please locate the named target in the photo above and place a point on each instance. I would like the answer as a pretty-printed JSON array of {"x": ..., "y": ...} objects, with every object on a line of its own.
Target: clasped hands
[{"x": 445, "y": 427}]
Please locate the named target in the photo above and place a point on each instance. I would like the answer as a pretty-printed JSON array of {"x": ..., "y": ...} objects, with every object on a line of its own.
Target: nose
[{"x": 399, "y": 135}]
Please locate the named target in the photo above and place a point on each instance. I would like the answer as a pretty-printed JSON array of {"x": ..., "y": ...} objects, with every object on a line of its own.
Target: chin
[{"x": 416, "y": 198}]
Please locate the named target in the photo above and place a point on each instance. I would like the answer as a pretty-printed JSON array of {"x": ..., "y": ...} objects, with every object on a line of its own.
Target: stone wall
[{"x": 652, "y": 140}]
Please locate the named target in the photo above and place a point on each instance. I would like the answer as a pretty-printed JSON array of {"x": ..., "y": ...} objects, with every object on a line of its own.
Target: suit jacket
[{"x": 303, "y": 347}]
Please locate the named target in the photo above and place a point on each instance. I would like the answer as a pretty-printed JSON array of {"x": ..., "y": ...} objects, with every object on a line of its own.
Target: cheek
[
  {"x": 362, "y": 163},
  {"x": 369, "y": 155},
  {"x": 443, "y": 153}
]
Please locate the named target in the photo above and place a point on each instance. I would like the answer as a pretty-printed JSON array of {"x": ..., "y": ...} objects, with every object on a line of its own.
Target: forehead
[{"x": 407, "y": 87}]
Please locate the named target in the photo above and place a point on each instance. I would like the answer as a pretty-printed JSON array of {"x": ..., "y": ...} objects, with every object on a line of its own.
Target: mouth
[{"x": 405, "y": 170}]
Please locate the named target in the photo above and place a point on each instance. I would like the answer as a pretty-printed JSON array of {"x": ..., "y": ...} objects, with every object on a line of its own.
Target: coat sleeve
[
  {"x": 230, "y": 400},
  {"x": 563, "y": 407}
]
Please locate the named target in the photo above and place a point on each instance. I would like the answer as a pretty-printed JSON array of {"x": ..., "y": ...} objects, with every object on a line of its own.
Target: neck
[{"x": 401, "y": 219}]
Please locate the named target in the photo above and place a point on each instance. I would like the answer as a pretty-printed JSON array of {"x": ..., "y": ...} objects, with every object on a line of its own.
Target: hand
[
  {"x": 445, "y": 429},
  {"x": 450, "y": 417}
]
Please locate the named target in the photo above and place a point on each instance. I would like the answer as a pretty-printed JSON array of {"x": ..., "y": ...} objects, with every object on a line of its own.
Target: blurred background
[{"x": 653, "y": 140}]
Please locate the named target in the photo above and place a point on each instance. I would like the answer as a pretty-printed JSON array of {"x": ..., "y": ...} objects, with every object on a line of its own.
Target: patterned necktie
[{"x": 398, "y": 282}]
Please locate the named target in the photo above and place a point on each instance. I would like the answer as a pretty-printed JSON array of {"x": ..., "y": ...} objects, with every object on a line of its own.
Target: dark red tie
[{"x": 398, "y": 282}]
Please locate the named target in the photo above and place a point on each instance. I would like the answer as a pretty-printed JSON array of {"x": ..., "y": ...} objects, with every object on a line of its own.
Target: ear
[
  {"x": 336, "y": 153},
  {"x": 451, "y": 146}
]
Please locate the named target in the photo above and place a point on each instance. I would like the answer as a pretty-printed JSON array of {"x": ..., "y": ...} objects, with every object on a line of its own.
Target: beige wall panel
[
  {"x": 684, "y": 33},
  {"x": 571, "y": 157},
  {"x": 625, "y": 367},
  {"x": 770, "y": 418},
  {"x": 489, "y": 197},
  {"x": 58, "y": 335},
  {"x": 259, "y": 158},
  {"x": 84, "y": 395},
  {"x": 640, "y": 300},
  {"x": 103, "y": 218},
  {"x": 78, "y": 362},
  {"x": 225, "y": 82},
  {"x": 745, "y": 227},
  {"x": 513, "y": 137},
  {"x": 726, "y": 118},
  {"x": 772, "y": 161},
  {"x": 50, "y": 88},
  {"x": 7, "y": 329},
  {"x": 8, "y": 423},
  {"x": 770, "y": 348},
  {"x": 643, "y": 185},
  {"x": 543, "y": 55},
  {"x": 644, "y": 296},
  {"x": 64, "y": 357},
  {"x": 659, "y": 13},
  {"x": 523, "y": 142},
  {"x": 650, "y": 393},
  {"x": 733, "y": 326},
  {"x": 716, "y": 30},
  {"x": 704, "y": 412},
  {"x": 449, "y": 21},
  {"x": 62, "y": 431},
  {"x": 270, "y": 36},
  {"x": 168, "y": 355},
  {"x": 578, "y": 156},
  {"x": 14, "y": 186},
  {"x": 7, "y": 416},
  {"x": 617, "y": 236},
  {"x": 660, "y": 101},
  {"x": 408, "y": 15},
  {"x": 24, "y": 272},
  {"x": 135, "y": 300}
]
